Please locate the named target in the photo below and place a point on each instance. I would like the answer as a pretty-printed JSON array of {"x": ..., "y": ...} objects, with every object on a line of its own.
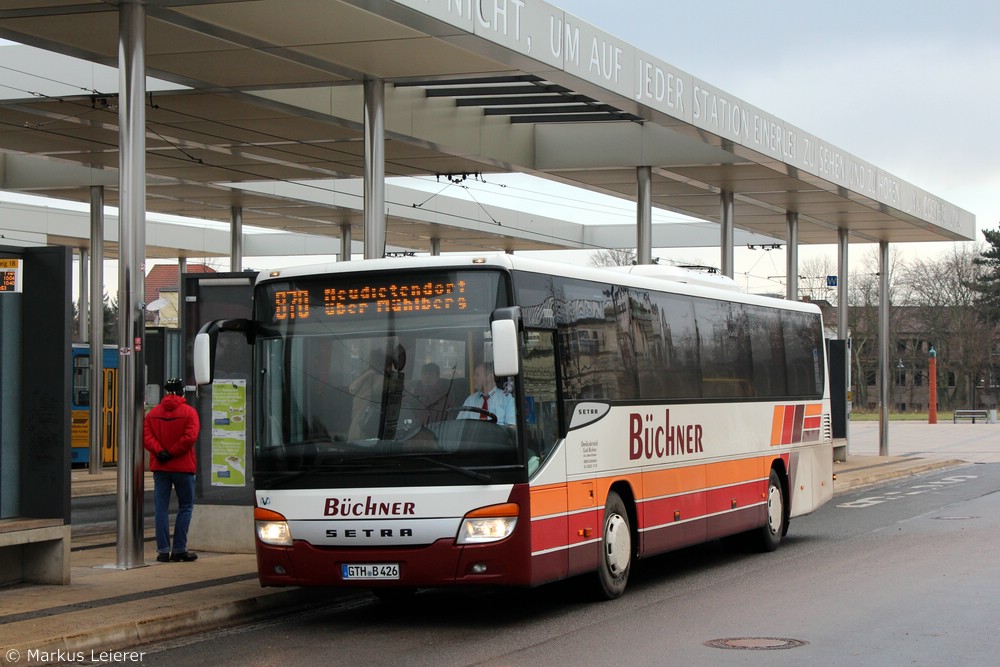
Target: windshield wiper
[{"x": 482, "y": 477}]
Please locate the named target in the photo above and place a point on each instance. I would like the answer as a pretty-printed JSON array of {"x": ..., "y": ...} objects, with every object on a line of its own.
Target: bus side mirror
[
  {"x": 203, "y": 359},
  {"x": 506, "y": 357},
  {"x": 205, "y": 343}
]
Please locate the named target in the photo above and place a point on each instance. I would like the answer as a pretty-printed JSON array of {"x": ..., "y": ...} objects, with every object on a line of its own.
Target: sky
[{"x": 910, "y": 86}]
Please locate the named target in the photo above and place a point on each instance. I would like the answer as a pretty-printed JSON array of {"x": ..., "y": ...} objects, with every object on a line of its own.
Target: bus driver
[{"x": 489, "y": 397}]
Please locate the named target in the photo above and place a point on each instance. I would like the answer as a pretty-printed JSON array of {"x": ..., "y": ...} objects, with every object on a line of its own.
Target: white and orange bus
[{"x": 650, "y": 411}]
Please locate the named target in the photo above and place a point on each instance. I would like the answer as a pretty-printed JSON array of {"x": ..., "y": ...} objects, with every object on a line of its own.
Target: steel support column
[
  {"x": 792, "y": 256},
  {"x": 236, "y": 238},
  {"x": 435, "y": 246},
  {"x": 883, "y": 348},
  {"x": 131, "y": 278},
  {"x": 726, "y": 242},
  {"x": 96, "y": 327},
  {"x": 843, "y": 323},
  {"x": 644, "y": 215},
  {"x": 374, "y": 188},
  {"x": 83, "y": 304},
  {"x": 345, "y": 242},
  {"x": 843, "y": 327}
]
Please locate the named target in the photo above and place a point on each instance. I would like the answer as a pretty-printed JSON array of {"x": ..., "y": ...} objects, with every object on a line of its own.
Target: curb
[
  {"x": 130, "y": 636},
  {"x": 871, "y": 479}
]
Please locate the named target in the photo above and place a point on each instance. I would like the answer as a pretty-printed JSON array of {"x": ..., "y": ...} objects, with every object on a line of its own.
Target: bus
[
  {"x": 80, "y": 406},
  {"x": 652, "y": 410}
]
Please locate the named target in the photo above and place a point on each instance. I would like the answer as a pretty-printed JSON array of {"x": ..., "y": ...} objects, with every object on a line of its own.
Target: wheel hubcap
[
  {"x": 617, "y": 544},
  {"x": 775, "y": 511}
]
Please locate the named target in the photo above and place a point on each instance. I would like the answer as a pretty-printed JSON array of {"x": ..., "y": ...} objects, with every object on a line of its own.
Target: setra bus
[{"x": 651, "y": 410}]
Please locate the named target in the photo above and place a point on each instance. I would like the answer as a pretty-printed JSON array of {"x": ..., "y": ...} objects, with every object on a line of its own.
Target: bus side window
[{"x": 540, "y": 409}]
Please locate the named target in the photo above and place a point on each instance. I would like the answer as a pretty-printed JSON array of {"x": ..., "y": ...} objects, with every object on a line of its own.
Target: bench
[
  {"x": 969, "y": 414},
  {"x": 35, "y": 551}
]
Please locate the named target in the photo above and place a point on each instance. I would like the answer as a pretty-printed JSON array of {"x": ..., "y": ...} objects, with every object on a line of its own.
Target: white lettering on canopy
[
  {"x": 605, "y": 59},
  {"x": 655, "y": 84}
]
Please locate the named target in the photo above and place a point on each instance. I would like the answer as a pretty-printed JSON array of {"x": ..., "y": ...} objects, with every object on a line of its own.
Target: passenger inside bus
[
  {"x": 367, "y": 393},
  {"x": 430, "y": 394}
]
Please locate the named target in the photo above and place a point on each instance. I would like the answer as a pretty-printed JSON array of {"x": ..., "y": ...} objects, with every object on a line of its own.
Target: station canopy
[{"x": 271, "y": 91}]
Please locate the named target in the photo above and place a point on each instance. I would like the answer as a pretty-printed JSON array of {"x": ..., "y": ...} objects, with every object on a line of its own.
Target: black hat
[{"x": 174, "y": 386}]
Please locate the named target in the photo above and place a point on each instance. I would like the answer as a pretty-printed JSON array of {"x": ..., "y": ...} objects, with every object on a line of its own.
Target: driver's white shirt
[{"x": 499, "y": 403}]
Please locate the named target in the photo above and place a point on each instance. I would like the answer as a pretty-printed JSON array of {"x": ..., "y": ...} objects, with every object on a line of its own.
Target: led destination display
[{"x": 342, "y": 298}]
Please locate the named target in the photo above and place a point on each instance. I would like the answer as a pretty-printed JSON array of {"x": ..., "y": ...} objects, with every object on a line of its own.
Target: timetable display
[{"x": 10, "y": 275}]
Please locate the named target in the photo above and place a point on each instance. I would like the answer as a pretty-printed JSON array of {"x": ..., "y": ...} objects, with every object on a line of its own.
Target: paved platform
[{"x": 106, "y": 609}]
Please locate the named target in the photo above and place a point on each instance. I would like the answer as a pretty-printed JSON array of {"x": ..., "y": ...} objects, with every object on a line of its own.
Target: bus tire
[
  {"x": 615, "y": 561},
  {"x": 769, "y": 535}
]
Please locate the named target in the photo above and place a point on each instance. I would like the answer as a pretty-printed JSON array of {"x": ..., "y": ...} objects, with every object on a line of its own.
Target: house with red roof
[{"x": 163, "y": 282}]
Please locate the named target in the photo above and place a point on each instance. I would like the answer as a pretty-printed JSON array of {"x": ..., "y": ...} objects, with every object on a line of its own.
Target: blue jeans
[{"x": 183, "y": 483}]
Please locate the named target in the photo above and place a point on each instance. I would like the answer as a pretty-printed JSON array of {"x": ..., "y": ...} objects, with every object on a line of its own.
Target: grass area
[{"x": 942, "y": 416}]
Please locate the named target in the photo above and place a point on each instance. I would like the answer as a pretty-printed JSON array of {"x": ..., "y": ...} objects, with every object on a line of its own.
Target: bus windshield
[{"x": 376, "y": 381}]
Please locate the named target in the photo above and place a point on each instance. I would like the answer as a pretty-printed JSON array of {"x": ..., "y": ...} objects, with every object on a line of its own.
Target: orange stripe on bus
[
  {"x": 674, "y": 480},
  {"x": 777, "y": 424},
  {"x": 813, "y": 409},
  {"x": 732, "y": 472},
  {"x": 546, "y": 500}
]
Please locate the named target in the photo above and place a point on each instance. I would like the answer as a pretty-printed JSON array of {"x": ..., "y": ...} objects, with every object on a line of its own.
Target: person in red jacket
[{"x": 169, "y": 432}]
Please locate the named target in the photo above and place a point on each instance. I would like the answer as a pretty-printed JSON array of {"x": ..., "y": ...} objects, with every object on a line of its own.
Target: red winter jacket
[{"x": 172, "y": 426}]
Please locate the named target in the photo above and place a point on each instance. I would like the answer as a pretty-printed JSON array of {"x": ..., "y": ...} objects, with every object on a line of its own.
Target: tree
[
  {"x": 613, "y": 257},
  {"x": 987, "y": 284},
  {"x": 813, "y": 274},
  {"x": 110, "y": 321},
  {"x": 945, "y": 301},
  {"x": 863, "y": 299}
]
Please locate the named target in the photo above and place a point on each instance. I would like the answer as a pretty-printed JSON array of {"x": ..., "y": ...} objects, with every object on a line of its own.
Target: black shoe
[
  {"x": 184, "y": 557},
  {"x": 162, "y": 558}
]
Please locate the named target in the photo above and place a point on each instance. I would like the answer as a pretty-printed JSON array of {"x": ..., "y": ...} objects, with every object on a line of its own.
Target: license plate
[{"x": 370, "y": 571}]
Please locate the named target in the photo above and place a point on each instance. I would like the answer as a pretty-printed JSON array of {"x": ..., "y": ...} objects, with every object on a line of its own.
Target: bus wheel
[
  {"x": 616, "y": 549},
  {"x": 769, "y": 535}
]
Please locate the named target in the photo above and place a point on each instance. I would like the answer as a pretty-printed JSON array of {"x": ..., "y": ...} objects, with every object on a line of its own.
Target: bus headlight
[
  {"x": 272, "y": 528},
  {"x": 488, "y": 524}
]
